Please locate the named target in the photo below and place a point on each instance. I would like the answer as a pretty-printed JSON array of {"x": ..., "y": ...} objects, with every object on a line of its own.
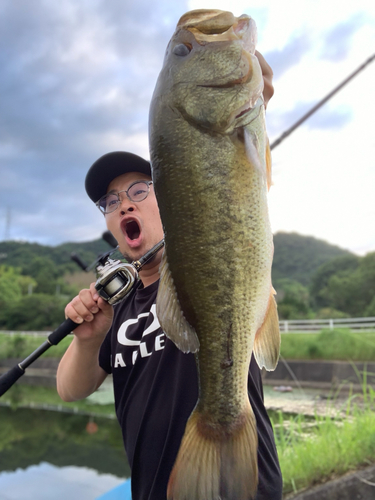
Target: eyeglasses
[{"x": 138, "y": 191}]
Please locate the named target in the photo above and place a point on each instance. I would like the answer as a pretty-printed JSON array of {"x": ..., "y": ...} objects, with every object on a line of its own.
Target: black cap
[{"x": 110, "y": 166}]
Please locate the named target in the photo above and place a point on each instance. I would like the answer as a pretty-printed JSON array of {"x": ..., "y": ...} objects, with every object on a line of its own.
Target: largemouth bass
[{"x": 211, "y": 168}]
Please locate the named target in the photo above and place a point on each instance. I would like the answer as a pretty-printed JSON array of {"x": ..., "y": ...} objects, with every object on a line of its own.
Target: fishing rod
[
  {"x": 115, "y": 281},
  {"x": 320, "y": 103}
]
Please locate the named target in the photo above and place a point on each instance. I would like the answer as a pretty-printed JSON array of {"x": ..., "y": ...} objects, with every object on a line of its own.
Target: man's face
[{"x": 136, "y": 225}]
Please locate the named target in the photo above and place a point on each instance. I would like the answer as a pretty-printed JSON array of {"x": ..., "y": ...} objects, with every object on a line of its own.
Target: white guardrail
[
  {"x": 316, "y": 325},
  {"x": 286, "y": 326}
]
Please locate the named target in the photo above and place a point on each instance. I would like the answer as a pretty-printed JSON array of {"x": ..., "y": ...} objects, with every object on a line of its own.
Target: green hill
[
  {"x": 20, "y": 254},
  {"x": 298, "y": 257}
]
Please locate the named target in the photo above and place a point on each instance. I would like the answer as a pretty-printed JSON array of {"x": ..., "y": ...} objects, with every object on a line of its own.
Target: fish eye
[{"x": 182, "y": 49}]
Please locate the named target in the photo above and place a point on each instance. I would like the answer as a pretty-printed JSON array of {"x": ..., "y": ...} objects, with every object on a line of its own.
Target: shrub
[{"x": 34, "y": 312}]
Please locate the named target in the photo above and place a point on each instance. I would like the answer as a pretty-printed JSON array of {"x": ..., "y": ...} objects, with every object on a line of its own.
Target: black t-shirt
[{"x": 156, "y": 389}]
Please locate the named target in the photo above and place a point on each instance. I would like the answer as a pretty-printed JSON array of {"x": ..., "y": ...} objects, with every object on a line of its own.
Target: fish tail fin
[
  {"x": 267, "y": 339},
  {"x": 214, "y": 463}
]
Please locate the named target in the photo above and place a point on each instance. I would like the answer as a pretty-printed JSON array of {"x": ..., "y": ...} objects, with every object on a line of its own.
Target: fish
[{"x": 211, "y": 168}]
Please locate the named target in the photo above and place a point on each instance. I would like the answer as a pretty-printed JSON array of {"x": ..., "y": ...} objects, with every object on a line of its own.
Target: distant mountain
[
  {"x": 298, "y": 257},
  {"x": 20, "y": 254}
]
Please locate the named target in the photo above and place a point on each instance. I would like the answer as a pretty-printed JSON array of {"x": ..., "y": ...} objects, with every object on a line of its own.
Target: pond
[
  {"x": 48, "y": 454},
  {"x": 74, "y": 450}
]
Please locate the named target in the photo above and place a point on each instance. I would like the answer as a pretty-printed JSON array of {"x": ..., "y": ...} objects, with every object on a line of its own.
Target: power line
[{"x": 320, "y": 103}]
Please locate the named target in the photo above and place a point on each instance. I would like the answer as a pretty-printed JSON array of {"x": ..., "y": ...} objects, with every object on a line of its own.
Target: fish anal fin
[
  {"x": 267, "y": 339},
  {"x": 218, "y": 464},
  {"x": 170, "y": 315}
]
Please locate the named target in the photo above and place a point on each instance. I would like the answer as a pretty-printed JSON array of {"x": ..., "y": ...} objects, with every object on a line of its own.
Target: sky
[{"x": 76, "y": 81}]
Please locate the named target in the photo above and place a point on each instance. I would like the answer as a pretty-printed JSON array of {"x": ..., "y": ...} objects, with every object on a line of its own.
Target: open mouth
[{"x": 132, "y": 230}]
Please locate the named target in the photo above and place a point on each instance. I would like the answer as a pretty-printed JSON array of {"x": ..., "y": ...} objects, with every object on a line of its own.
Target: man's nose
[{"x": 126, "y": 205}]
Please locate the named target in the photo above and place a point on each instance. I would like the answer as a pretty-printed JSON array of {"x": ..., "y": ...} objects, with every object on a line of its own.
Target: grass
[
  {"x": 20, "y": 346},
  {"x": 336, "y": 344},
  {"x": 314, "y": 451},
  {"x": 339, "y": 344}
]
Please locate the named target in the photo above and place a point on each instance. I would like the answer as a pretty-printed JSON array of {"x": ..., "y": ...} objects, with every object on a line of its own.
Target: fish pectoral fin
[
  {"x": 267, "y": 338},
  {"x": 170, "y": 315},
  {"x": 216, "y": 462}
]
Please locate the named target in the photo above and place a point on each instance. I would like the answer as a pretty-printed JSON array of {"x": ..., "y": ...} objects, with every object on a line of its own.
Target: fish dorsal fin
[
  {"x": 267, "y": 339},
  {"x": 170, "y": 315}
]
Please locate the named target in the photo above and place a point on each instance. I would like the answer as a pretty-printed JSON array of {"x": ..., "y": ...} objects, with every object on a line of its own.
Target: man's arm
[{"x": 79, "y": 373}]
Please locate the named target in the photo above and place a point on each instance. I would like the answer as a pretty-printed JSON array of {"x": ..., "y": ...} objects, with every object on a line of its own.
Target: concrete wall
[
  {"x": 328, "y": 372},
  {"x": 359, "y": 485}
]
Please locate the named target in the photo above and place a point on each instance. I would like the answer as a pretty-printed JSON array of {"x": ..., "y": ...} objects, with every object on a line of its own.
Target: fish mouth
[
  {"x": 211, "y": 27},
  {"x": 215, "y": 25}
]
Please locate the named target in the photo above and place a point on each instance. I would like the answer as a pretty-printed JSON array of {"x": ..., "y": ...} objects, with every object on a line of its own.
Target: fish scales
[
  {"x": 208, "y": 153},
  {"x": 212, "y": 278}
]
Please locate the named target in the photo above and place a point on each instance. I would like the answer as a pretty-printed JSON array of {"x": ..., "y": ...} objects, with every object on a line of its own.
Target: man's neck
[{"x": 150, "y": 272}]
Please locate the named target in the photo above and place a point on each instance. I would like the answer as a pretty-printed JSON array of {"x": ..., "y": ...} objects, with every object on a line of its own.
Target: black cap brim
[{"x": 110, "y": 166}]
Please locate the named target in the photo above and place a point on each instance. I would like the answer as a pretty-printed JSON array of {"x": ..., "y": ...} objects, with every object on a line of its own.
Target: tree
[
  {"x": 10, "y": 289},
  {"x": 319, "y": 281},
  {"x": 293, "y": 299},
  {"x": 298, "y": 257},
  {"x": 45, "y": 273},
  {"x": 33, "y": 312},
  {"x": 347, "y": 285},
  {"x": 12, "y": 284}
]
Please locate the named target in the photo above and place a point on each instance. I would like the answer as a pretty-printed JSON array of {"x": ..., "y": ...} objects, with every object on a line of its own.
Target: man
[{"x": 155, "y": 384}]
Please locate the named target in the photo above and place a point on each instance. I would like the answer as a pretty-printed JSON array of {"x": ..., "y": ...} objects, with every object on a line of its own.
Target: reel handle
[{"x": 78, "y": 261}]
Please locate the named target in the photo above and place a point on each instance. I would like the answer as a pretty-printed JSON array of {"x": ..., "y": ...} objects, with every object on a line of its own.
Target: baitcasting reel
[{"x": 116, "y": 279}]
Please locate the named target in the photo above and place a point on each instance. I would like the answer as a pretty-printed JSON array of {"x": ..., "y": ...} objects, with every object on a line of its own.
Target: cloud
[
  {"x": 327, "y": 117},
  {"x": 76, "y": 82},
  {"x": 337, "y": 41},
  {"x": 281, "y": 60},
  {"x": 77, "y": 78}
]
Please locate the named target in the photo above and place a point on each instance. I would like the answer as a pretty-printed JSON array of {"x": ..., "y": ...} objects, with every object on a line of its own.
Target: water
[
  {"x": 48, "y": 455},
  {"x": 45, "y": 455},
  {"x": 46, "y": 482}
]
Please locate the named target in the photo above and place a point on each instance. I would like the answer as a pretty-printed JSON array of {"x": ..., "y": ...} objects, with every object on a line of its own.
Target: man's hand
[
  {"x": 93, "y": 312},
  {"x": 267, "y": 78}
]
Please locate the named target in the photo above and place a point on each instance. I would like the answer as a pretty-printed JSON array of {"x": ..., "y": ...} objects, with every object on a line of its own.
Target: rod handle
[
  {"x": 62, "y": 331},
  {"x": 9, "y": 378}
]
